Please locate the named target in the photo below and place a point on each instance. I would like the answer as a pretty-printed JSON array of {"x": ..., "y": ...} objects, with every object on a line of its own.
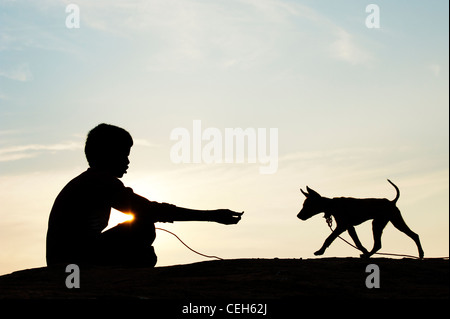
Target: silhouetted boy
[{"x": 81, "y": 210}]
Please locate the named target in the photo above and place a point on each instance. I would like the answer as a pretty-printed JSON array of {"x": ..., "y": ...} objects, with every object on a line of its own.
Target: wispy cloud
[
  {"x": 345, "y": 48},
  {"x": 8, "y": 132},
  {"x": 21, "y": 72},
  {"x": 225, "y": 34},
  {"x": 144, "y": 142},
  {"x": 435, "y": 69},
  {"x": 184, "y": 34},
  {"x": 13, "y": 153}
]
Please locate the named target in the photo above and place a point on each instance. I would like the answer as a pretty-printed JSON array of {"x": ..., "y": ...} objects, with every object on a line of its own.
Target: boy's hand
[{"x": 225, "y": 216}]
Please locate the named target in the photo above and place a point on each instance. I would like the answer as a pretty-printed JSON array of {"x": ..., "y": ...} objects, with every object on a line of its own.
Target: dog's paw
[
  {"x": 319, "y": 252},
  {"x": 365, "y": 253}
]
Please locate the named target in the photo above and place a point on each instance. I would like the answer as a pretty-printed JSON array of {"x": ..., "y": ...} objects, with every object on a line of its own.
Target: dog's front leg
[
  {"x": 329, "y": 240},
  {"x": 354, "y": 236}
]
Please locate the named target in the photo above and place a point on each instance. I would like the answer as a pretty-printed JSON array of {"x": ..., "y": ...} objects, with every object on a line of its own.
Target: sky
[{"x": 352, "y": 104}]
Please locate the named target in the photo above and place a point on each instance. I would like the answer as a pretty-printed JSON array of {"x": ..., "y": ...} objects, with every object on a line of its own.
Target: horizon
[{"x": 354, "y": 101}]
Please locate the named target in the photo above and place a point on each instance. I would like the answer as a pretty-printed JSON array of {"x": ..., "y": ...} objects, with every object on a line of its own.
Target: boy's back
[{"x": 80, "y": 213}]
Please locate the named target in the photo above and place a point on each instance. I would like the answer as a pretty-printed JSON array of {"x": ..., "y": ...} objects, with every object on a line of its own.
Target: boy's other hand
[{"x": 226, "y": 216}]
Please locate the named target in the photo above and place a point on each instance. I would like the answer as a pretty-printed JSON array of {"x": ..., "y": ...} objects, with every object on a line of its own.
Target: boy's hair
[{"x": 103, "y": 139}]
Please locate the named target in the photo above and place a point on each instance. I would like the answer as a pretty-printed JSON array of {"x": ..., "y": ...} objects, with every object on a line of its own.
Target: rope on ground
[{"x": 207, "y": 256}]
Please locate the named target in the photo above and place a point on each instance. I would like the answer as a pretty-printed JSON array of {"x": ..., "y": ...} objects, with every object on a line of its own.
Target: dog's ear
[
  {"x": 312, "y": 192},
  {"x": 306, "y": 194}
]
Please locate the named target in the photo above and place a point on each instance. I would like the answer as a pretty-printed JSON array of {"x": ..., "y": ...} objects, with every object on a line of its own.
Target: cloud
[
  {"x": 144, "y": 142},
  {"x": 435, "y": 69},
  {"x": 21, "y": 73},
  {"x": 184, "y": 34},
  {"x": 8, "y": 132},
  {"x": 245, "y": 34},
  {"x": 13, "y": 153},
  {"x": 344, "y": 48}
]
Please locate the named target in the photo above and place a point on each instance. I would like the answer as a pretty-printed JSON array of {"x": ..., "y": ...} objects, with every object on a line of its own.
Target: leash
[
  {"x": 329, "y": 221},
  {"x": 188, "y": 246}
]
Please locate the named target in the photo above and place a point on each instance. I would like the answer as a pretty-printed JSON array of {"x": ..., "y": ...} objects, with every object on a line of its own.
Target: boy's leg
[{"x": 127, "y": 244}]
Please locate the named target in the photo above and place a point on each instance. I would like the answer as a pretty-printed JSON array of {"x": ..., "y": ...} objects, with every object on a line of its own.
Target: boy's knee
[{"x": 142, "y": 256}]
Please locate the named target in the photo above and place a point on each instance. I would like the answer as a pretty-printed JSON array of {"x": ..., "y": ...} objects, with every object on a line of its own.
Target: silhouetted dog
[{"x": 349, "y": 212}]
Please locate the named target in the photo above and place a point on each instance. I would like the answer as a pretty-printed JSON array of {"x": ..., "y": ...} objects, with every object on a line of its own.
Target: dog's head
[{"x": 311, "y": 205}]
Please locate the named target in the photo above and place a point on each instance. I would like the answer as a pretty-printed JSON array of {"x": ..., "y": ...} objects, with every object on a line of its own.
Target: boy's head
[{"x": 107, "y": 148}]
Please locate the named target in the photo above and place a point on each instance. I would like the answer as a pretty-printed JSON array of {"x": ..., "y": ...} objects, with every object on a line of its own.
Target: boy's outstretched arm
[
  {"x": 222, "y": 216},
  {"x": 163, "y": 212}
]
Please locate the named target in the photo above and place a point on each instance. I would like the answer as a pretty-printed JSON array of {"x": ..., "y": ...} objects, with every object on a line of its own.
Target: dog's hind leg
[
  {"x": 377, "y": 229},
  {"x": 354, "y": 236},
  {"x": 329, "y": 240},
  {"x": 399, "y": 223}
]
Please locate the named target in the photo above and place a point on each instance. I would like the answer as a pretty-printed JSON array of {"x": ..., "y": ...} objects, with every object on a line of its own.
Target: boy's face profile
[{"x": 117, "y": 161}]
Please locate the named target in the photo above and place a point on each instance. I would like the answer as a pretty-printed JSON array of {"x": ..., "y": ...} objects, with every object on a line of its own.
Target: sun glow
[{"x": 116, "y": 217}]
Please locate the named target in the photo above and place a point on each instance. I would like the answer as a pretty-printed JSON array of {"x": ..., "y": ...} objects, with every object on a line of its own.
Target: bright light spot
[{"x": 117, "y": 217}]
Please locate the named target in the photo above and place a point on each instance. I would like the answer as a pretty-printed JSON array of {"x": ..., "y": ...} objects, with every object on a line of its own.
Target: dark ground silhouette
[{"x": 240, "y": 279}]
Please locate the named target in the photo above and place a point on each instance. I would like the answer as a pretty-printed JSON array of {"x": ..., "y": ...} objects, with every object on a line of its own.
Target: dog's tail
[{"x": 398, "y": 192}]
